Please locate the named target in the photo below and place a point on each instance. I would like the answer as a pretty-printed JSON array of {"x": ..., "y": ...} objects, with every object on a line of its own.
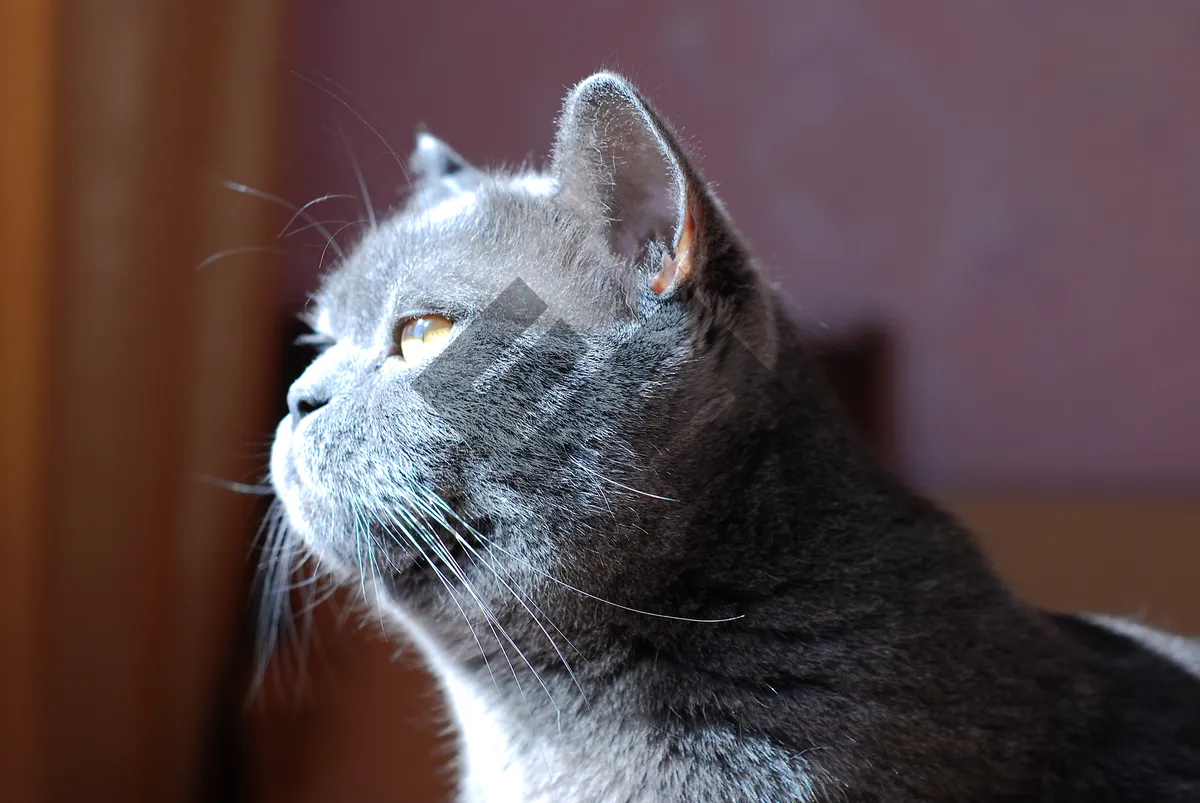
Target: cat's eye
[{"x": 423, "y": 337}]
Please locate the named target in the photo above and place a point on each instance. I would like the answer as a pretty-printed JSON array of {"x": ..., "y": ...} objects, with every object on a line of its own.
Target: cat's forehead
[{"x": 456, "y": 252}]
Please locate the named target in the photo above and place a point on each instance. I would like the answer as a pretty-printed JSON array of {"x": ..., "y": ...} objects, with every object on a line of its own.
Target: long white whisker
[
  {"x": 600, "y": 476},
  {"x": 440, "y": 548},
  {"x": 354, "y": 111},
  {"x": 236, "y": 487},
  {"x": 483, "y": 538},
  {"x": 441, "y": 520},
  {"x": 307, "y": 226},
  {"x": 358, "y": 175},
  {"x": 275, "y": 604},
  {"x": 529, "y": 599},
  {"x": 377, "y": 578},
  {"x": 240, "y": 250},
  {"x": 525, "y": 601},
  {"x": 332, "y": 241},
  {"x": 489, "y": 618},
  {"x": 300, "y": 212},
  {"x": 360, "y": 525},
  {"x": 449, "y": 587},
  {"x": 246, "y": 189}
]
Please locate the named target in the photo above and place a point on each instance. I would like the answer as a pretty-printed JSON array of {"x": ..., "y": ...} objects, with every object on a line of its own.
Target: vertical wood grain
[
  {"x": 232, "y": 350},
  {"x": 159, "y": 379},
  {"x": 27, "y": 118}
]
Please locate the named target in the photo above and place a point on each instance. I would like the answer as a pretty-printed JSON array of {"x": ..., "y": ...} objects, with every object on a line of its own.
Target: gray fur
[{"x": 633, "y": 536}]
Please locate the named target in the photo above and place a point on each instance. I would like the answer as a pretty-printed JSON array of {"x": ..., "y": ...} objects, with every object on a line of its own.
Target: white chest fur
[{"x": 491, "y": 771}]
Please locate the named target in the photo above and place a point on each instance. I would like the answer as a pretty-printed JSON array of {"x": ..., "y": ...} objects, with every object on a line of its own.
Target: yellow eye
[{"x": 424, "y": 337}]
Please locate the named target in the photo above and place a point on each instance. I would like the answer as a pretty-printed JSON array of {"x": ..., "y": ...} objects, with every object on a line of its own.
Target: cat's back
[{"x": 1145, "y": 741}]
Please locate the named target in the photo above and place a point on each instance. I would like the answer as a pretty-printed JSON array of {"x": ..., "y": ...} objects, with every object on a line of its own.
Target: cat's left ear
[
  {"x": 618, "y": 163},
  {"x": 436, "y": 171},
  {"x": 433, "y": 160}
]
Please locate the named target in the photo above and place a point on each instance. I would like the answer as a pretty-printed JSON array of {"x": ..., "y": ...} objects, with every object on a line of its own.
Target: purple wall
[{"x": 1012, "y": 188}]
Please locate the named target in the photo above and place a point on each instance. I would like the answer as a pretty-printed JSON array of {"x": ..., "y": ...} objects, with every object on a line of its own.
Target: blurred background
[{"x": 987, "y": 213}]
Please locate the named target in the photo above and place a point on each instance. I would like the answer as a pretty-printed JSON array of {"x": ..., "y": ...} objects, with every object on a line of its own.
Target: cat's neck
[
  {"x": 845, "y": 567},
  {"x": 526, "y": 737}
]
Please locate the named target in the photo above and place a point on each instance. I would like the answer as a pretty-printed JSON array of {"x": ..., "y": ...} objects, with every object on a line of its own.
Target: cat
[{"x": 563, "y": 434}]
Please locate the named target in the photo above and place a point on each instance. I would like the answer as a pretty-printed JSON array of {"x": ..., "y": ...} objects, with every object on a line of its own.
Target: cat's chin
[
  {"x": 304, "y": 519},
  {"x": 337, "y": 538}
]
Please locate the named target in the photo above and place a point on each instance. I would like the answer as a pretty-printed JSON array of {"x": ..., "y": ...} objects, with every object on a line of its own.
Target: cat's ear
[
  {"x": 434, "y": 160},
  {"x": 617, "y": 162},
  {"x": 436, "y": 173}
]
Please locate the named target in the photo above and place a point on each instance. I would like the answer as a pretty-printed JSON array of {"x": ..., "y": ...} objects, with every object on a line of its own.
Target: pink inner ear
[
  {"x": 681, "y": 264},
  {"x": 662, "y": 282}
]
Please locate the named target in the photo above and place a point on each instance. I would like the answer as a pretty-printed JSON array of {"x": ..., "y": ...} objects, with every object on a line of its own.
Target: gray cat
[{"x": 564, "y": 435}]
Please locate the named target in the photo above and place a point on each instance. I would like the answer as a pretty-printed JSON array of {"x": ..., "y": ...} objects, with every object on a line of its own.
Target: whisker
[
  {"x": 246, "y": 189},
  {"x": 359, "y": 525},
  {"x": 529, "y": 598},
  {"x": 318, "y": 596},
  {"x": 453, "y": 595},
  {"x": 300, "y": 212},
  {"x": 525, "y": 601},
  {"x": 440, "y": 548},
  {"x": 517, "y": 597},
  {"x": 307, "y": 226},
  {"x": 241, "y": 250},
  {"x": 377, "y": 581},
  {"x": 292, "y": 563},
  {"x": 600, "y": 476},
  {"x": 483, "y": 538},
  {"x": 273, "y": 610},
  {"x": 236, "y": 487},
  {"x": 490, "y": 618},
  {"x": 352, "y": 110},
  {"x": 332, "y": 241},
  {"x": 358, "y": 175}
]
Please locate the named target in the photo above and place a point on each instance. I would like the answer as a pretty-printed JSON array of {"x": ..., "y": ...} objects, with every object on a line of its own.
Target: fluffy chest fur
[{"x": 601, "y": 761}]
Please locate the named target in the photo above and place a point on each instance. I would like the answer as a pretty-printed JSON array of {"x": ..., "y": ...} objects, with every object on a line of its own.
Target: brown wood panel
[
  {"x": 132, "y": 83},
  {"x": 27, "y": 115},
  {"x": 231, "y": 346},
  {"x": 132, "y": 375}
]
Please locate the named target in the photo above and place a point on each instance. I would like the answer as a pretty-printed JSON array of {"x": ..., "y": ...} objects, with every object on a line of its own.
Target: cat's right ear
[{"x": 617, "y": 163}]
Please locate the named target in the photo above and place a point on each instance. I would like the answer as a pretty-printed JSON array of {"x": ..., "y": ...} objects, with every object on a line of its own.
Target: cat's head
[{"x": 533, "y": 370}]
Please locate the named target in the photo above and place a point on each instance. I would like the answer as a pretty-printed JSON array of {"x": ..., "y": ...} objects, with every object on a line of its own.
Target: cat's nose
[{"x": 304, "y": 401}]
